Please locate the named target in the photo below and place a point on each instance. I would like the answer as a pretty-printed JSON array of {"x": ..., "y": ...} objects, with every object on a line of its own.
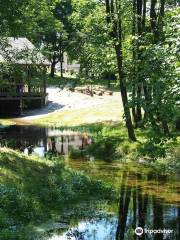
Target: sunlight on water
[{"x": 94, "y": 230}]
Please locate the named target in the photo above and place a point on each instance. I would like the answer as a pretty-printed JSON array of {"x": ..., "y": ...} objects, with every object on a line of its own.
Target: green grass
[
  {"x": 107, "y": 111},
  {"x": 6, "y": 122},
  {"x": 33, "y": 189},
  {"x": 110, "y": 142}
]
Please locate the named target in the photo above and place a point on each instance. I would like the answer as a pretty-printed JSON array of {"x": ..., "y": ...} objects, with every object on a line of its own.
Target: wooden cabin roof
[{"x": 22, "y": 51}]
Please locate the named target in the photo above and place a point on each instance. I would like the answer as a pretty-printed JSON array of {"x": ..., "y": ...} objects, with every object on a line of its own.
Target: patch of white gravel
[{"x": 60, "y": 100}]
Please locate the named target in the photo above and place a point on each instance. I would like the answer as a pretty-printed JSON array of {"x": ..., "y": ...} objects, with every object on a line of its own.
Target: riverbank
[
  {"x": 43, "y": 199},
  {"x": 34, "y": 189}
]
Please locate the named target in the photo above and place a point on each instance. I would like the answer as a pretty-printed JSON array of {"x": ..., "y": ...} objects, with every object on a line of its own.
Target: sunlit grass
[
  {"x": 109, "y": 111},
  {"x": 6, "y": 122}
]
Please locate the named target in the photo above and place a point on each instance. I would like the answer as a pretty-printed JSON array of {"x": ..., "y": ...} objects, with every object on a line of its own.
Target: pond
[
  {"x": 146, "y": 199},
  {"x": 40, "y": 141}
]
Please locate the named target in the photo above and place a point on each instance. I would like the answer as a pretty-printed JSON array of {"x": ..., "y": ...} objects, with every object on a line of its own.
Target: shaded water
[
  {"x": 32, "y": 139},
  {"x": 147, "y": 200}
]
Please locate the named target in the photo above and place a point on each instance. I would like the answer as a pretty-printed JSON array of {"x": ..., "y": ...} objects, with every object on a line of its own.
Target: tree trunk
[
  {"x": 124, "y": 96},
  {"x": 61, "y": 63},
  {"x": 147, "y": 95},
  {"x": 61, "y": 60},
  {"x": 134, "y": 108},
  {"x": 153, "y": 19},
  {"x": 134, "y": 65},
  {"x": 139, "y": 27},
  {"x": 116, "y": 34},
  {"x": 53, "y": 64},
  {"x": 144, "y": 16},
  {"x": 139, "y": 113}
]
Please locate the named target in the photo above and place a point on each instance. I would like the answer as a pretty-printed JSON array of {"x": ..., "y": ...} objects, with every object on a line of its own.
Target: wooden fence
[{"x": 21, "y": 90}]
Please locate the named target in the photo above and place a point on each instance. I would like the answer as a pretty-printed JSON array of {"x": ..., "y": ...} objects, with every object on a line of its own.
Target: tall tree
[{"x": 114, "y": 18}]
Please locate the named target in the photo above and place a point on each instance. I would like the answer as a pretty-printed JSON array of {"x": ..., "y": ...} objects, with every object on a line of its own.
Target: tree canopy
[{"x": 136, "y": 42}]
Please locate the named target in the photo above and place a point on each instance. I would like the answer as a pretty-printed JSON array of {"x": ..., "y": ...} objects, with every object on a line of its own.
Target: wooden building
[{"x": 23, "y": 82}]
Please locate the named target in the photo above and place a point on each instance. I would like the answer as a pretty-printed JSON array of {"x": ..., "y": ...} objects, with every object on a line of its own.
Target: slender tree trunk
[
  {"x": 139, "y": 53},
  {"x": 153, "y": 19},
  {"x": 61, "y": 63},
  {"x": 123, "y": 89},
  {"x": 146, "y": 89},
  {"x": 147, "y": 95},
  {"x": 134, "y": 65},
  {"x": 117, "y": 37},
  {"x": 53, "y": 64},
  {"x": 160, "y": 20},
  {"x": 139, "y": 96},
  {"x": 124, "y": 96},
  {"x": 144, "y": 16},
  {"x": 134, "y": 99}
]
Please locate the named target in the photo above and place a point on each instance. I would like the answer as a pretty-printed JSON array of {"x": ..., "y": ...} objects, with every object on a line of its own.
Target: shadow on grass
[{"x": 32, "y": 189}]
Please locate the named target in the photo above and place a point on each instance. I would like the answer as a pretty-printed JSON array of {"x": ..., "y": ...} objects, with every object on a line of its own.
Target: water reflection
[
  {"x": 36, "y": 140},
  {"x": 146, "y": 199},
  {"x": 136, "y": 209},
  {"x": 96, "y": 229}
]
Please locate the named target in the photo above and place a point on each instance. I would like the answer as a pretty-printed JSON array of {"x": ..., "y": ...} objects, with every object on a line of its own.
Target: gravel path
[{"x": 60, "y": 100}]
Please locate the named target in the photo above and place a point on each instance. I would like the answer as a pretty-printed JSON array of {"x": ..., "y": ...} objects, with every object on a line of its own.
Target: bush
[
  {"x": 103, "y": 148},
  {"x": 20, "y": 206},
  {"x": 77, "y": 154}
]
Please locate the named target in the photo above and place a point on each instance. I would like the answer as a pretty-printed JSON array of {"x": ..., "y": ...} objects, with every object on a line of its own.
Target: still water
[
  {"x": 146, "y": 199},
  {"x": 36, "y": 140}
]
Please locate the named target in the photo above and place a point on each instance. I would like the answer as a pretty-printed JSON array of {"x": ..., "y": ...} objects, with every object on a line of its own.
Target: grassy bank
[
  {"x": 110, "y": 142},
  {"x": 33, "y": 189}
]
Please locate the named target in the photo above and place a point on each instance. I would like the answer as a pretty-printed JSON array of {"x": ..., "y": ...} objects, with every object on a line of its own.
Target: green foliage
[
  {"x": 12, "y": 17},
  {"x": 77, "y": 154},
  {"x": 111, "y": 143},
  {"x": 31, "y": 189},
  {"x": 90, "y": 45},
  {"x": 157, "y": 70},
  {"x": 104, "y": 147},
  {"x": 25, "y": 209}
]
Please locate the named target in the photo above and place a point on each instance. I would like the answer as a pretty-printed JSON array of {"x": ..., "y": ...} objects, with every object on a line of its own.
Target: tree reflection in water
[
  {"x": 139, "y": 209},
  {"x": 42, "y": 141}
]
